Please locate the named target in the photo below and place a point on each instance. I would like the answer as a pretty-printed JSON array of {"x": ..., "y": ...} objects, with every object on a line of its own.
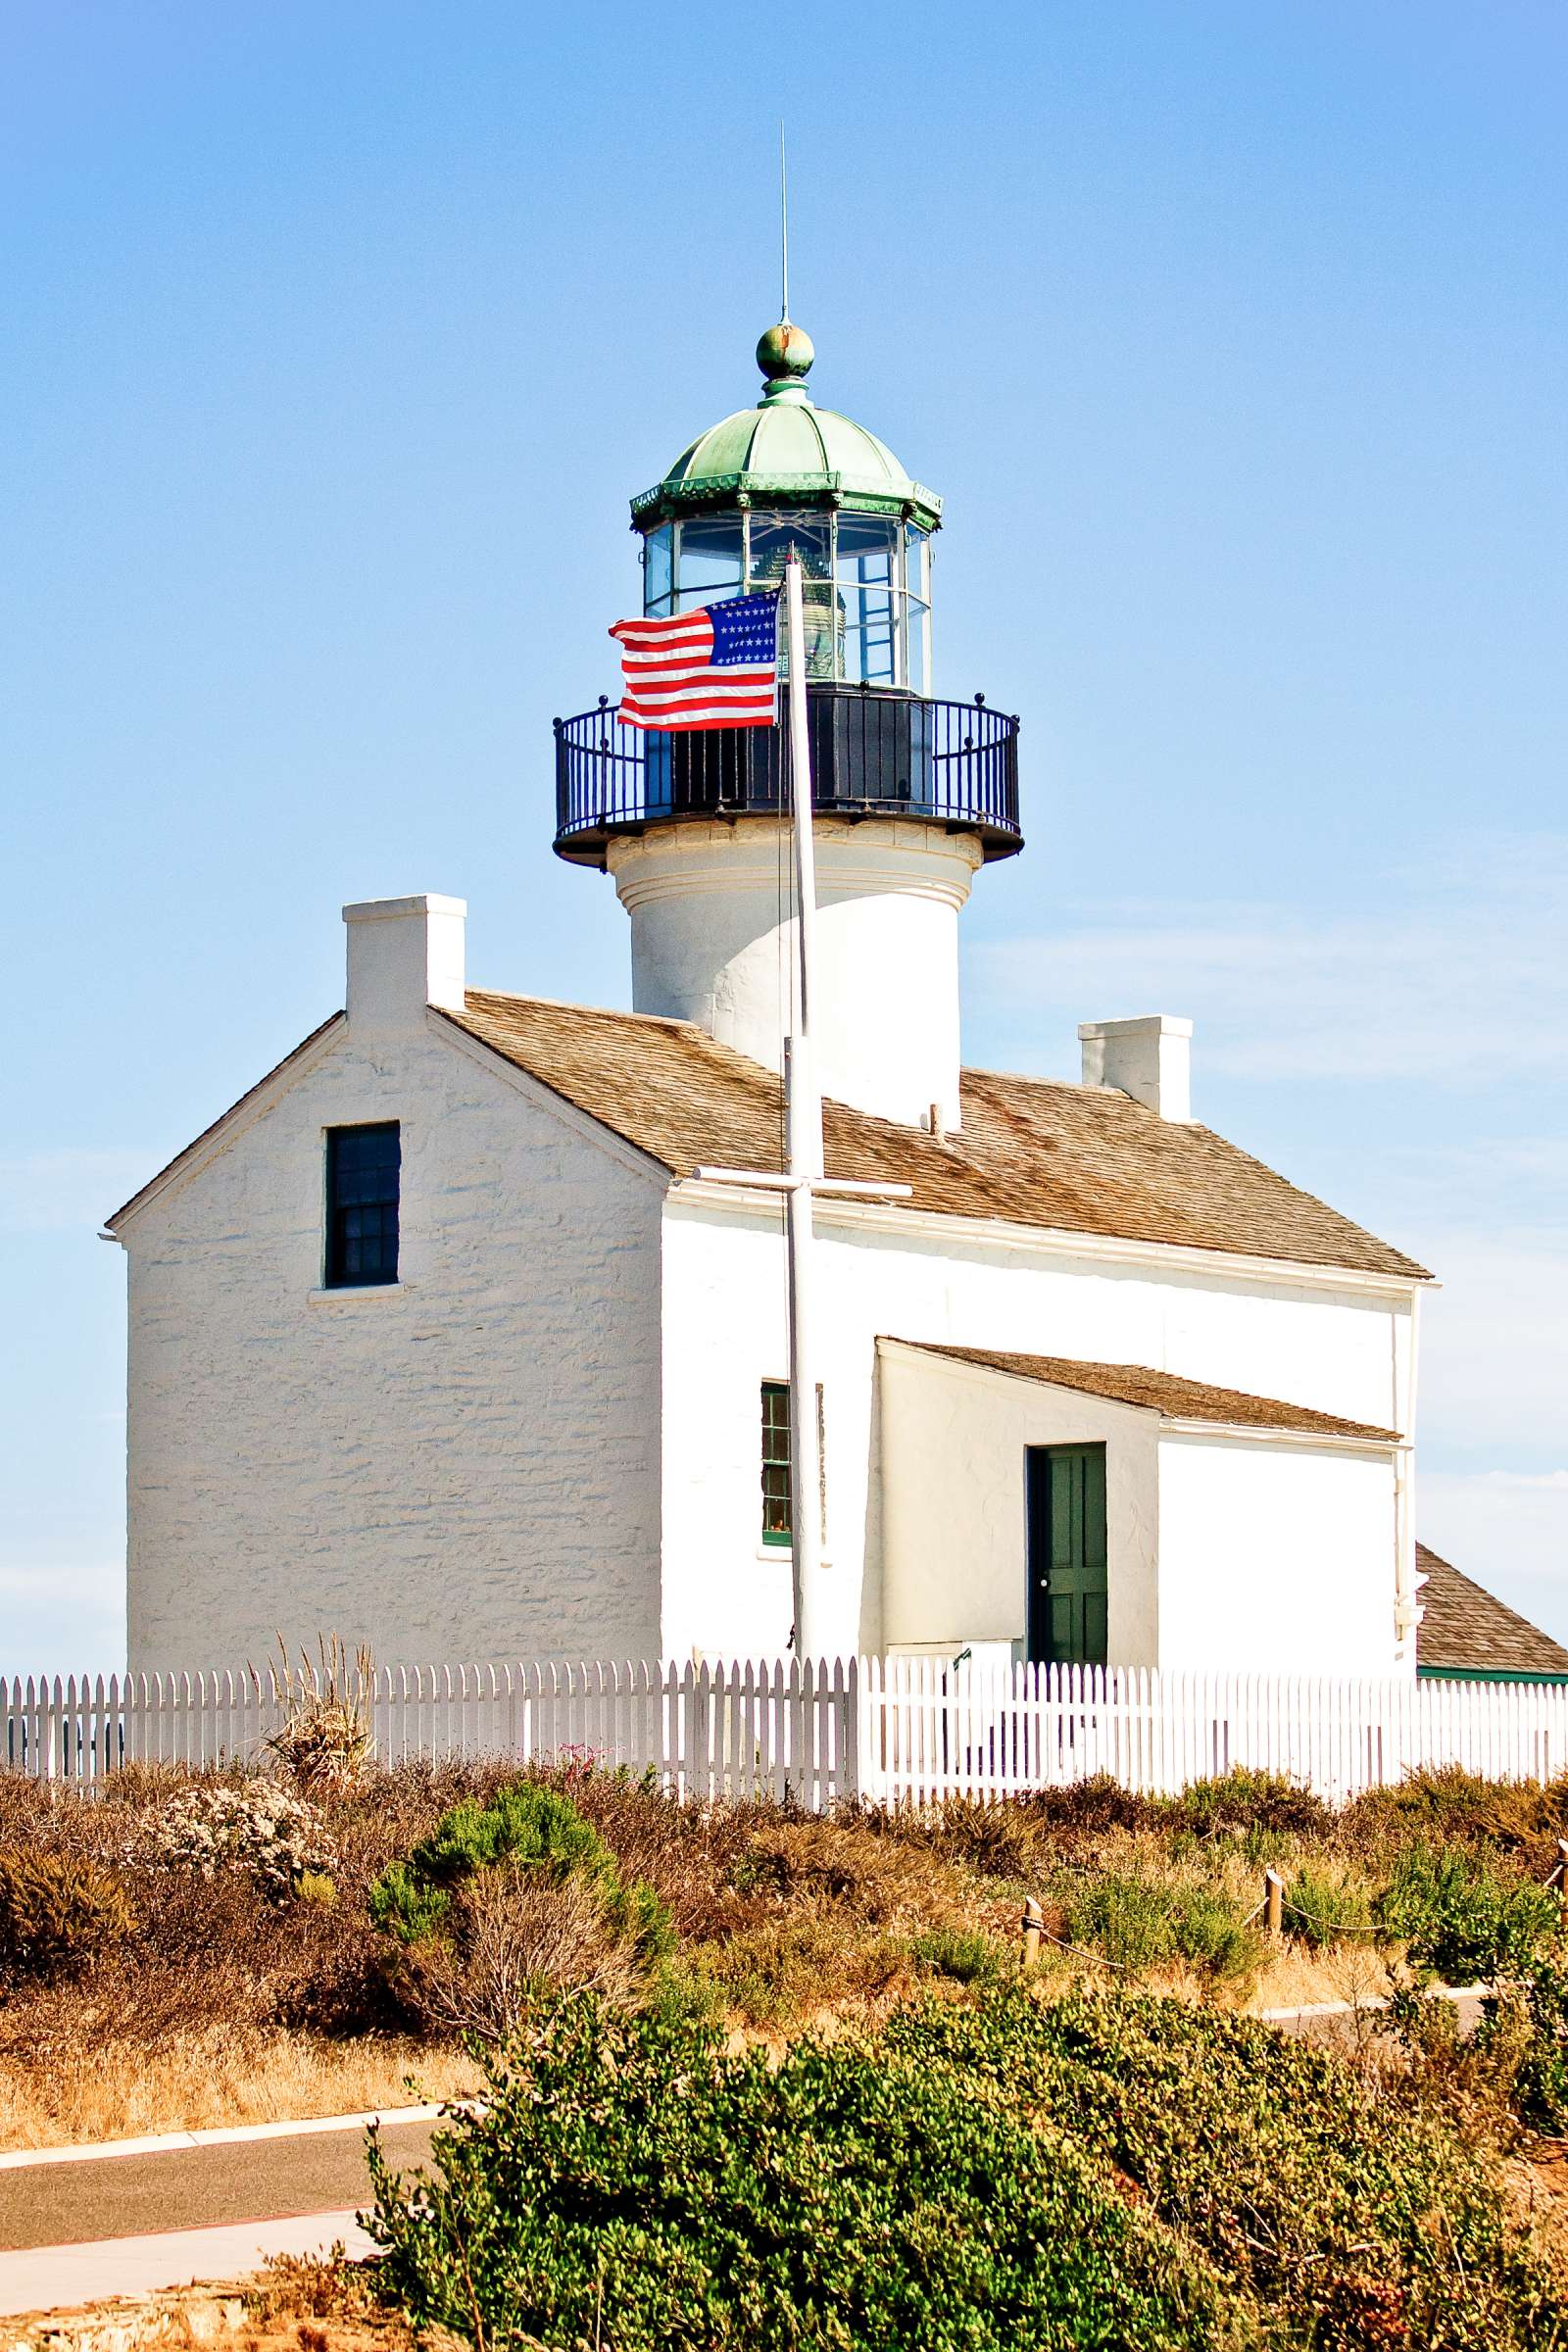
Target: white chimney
[
  {"x": 404, "y": 954},
  {"x": 1149, "y": 1058}
]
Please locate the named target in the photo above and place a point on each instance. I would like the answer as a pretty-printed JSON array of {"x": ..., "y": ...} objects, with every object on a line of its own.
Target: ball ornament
[{"x": 785, "y": 351}]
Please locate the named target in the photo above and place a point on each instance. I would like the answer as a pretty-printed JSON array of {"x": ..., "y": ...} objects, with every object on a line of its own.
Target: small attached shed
[{"x": 1037, "y": 1507}]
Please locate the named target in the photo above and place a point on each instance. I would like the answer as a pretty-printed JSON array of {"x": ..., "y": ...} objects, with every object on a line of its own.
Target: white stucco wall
[
  {"x": 1276, "y": 1558},
  {"x": 951, "y": 1445},
  {"x": 713, "y": 942},
  {"x": 464, "y": 1466},
  {"x": 1319, "y": 1341}
]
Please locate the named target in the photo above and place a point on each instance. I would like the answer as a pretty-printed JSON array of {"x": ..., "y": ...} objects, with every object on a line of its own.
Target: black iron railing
[{"x": 874, "y": 752}]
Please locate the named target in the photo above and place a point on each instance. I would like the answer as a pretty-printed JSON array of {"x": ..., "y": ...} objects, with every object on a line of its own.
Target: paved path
[
  {"x": 77, "y": 2223},
  {"x": 1350, "y": 2024},
  {"x": 50, "y": 2278}
]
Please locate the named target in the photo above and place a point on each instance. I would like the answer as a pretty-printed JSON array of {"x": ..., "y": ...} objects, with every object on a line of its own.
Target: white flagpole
[
  {"x": 803, "y": 1110},
  {"x": 815, "y": 1635}
]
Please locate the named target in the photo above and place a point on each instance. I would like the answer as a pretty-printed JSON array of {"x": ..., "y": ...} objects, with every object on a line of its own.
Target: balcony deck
[{"x": 875, "y": 753}]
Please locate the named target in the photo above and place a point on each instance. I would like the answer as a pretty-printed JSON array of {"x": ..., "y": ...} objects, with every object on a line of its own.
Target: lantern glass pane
[
  {"x": 658, "y": 569},
  {"x": 810, "y": 534},
  {"x": 710, "y": 559}
]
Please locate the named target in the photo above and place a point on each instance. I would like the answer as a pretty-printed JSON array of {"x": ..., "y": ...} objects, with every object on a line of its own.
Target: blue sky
[{"x": 337, "y": 337}]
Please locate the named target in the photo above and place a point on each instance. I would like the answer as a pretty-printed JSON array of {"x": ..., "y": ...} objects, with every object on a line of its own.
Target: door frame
[{"x": 1038, "y": 1648}]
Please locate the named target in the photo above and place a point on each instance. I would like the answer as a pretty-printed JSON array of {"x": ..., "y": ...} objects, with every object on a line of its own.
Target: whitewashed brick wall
[{"x": 467, "y": 1466}]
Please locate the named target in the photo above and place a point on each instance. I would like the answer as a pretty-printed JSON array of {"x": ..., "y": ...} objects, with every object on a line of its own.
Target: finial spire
[
  {"x": 785, "y": 353},
  {"x": 784, "y": 230}
]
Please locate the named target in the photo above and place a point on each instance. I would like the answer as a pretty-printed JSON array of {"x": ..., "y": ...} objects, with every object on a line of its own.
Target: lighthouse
[
  {"x": 461, "y": 1333},
  {"x": 911, "y": 794}
]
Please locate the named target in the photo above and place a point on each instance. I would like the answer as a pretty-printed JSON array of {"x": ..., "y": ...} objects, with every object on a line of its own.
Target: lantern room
[
  {"x": 788, "y": 475},
  {"x": 910, "y": 793}
]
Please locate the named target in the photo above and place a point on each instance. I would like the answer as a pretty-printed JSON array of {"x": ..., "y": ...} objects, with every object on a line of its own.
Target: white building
[{"x": 438, "y": 1340}]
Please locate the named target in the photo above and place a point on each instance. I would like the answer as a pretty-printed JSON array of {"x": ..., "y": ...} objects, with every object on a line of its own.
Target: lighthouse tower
[{"x": 912, "y": 795}]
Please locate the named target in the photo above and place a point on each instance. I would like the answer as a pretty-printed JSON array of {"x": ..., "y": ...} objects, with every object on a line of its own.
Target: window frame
[
  {"x": 335, "y": 1244},
  {"x": 779, "y": 1539}
]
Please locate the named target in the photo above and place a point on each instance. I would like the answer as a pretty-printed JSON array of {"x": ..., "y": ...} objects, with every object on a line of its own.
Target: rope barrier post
[
  {"x": 1032, "y": 1924},
  {"x": 1273, "y": 1903}
]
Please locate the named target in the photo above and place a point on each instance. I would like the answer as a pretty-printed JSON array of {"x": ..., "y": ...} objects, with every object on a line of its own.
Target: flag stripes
[{"x": 715, "y": 666}]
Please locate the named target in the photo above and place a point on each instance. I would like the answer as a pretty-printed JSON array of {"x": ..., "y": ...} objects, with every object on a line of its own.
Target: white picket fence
[{"x": 896, "y": 1730}]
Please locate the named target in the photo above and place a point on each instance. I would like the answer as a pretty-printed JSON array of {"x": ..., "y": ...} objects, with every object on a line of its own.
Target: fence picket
[{"x": 899, "y": 1729}]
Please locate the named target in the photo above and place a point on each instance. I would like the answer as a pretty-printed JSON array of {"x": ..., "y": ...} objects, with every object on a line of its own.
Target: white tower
[{"x": 912, "y": 795}]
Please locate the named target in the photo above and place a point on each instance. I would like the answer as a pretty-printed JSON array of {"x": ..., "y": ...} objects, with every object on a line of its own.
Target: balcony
[{"x": 874, "y": 752}]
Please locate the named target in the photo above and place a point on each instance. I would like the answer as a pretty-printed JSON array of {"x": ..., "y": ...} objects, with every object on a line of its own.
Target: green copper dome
[{"x": 786, "y": 450}]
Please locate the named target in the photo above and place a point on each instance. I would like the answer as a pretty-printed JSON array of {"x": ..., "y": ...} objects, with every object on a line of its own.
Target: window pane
[
  {"x": 658, "y": 569},
  {"x": 775, "y": 1461},
  {"x": 773, "y": 536},
  {"x": 809, "y": 534},
  {"x": 865, "y": 550},
  {"x": 362, "y": 1174},
  {"x": 710, "y": 559},
  {"x": 914, "y": 562},
  {"x": 918, "y": 646},
  {"x": 866, "y": 606},
  {"x": 866, "y": 634}
]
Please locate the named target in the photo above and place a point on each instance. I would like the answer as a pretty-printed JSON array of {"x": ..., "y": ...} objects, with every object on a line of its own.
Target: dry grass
[
  {"x": 292, "y": 2305},
  {"x": 225, "y": 2003},
  {"x": 117, "y": 2089},
  {"x": 516, "y": 1939}
]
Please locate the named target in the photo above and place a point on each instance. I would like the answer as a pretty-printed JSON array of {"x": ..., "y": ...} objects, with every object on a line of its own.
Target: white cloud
[
  {"x": 1457, "y": 976},
  {"x": 1509, "y": 1531},
  {"x": 51, "y": 1192}
]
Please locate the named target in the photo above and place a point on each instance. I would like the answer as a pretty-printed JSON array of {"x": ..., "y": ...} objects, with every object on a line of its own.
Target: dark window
[
  {"x": 361, "y": 1204},
  {"x": 775, "y": 1461}
]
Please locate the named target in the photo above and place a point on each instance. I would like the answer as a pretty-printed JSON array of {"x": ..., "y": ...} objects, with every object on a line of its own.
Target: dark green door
[{"x": 1067, "y": 1535}]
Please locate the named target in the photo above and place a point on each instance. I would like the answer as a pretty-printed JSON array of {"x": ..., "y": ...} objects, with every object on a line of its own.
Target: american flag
[{"x": 715, "y": 666}]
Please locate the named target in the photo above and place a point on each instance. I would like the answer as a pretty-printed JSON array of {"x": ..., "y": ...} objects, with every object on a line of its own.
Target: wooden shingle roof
[
  {"x": 1164, "y": 1393},
  {"x": 1030, "y": 1150},
  {"x": 1467, "y": 1630}
]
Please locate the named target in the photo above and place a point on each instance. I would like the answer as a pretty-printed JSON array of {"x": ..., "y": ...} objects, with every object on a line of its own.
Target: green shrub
[
  {"x": 56, "y": 1910},
  {"x": 1541, "y": 2080},
  {"x": 1321, "y": 1911},
  {"x": 634, "y": 2184},
  {"x": 1461, "y": 1918},
  {"x": 508, "y": 1904},
  {"x": 1211, "y": 1936},
  {"x": 404, "y": 1906},
  {"x": 961, "y": 1953},
  {"x": 529, "y": 1827},
  {"x": 1318, "y": 2188},
  {"x": 1241, "y": 1801},
  {"x": 1130, "y": 1920},
  {"x": 1140, "y": 1923}
]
